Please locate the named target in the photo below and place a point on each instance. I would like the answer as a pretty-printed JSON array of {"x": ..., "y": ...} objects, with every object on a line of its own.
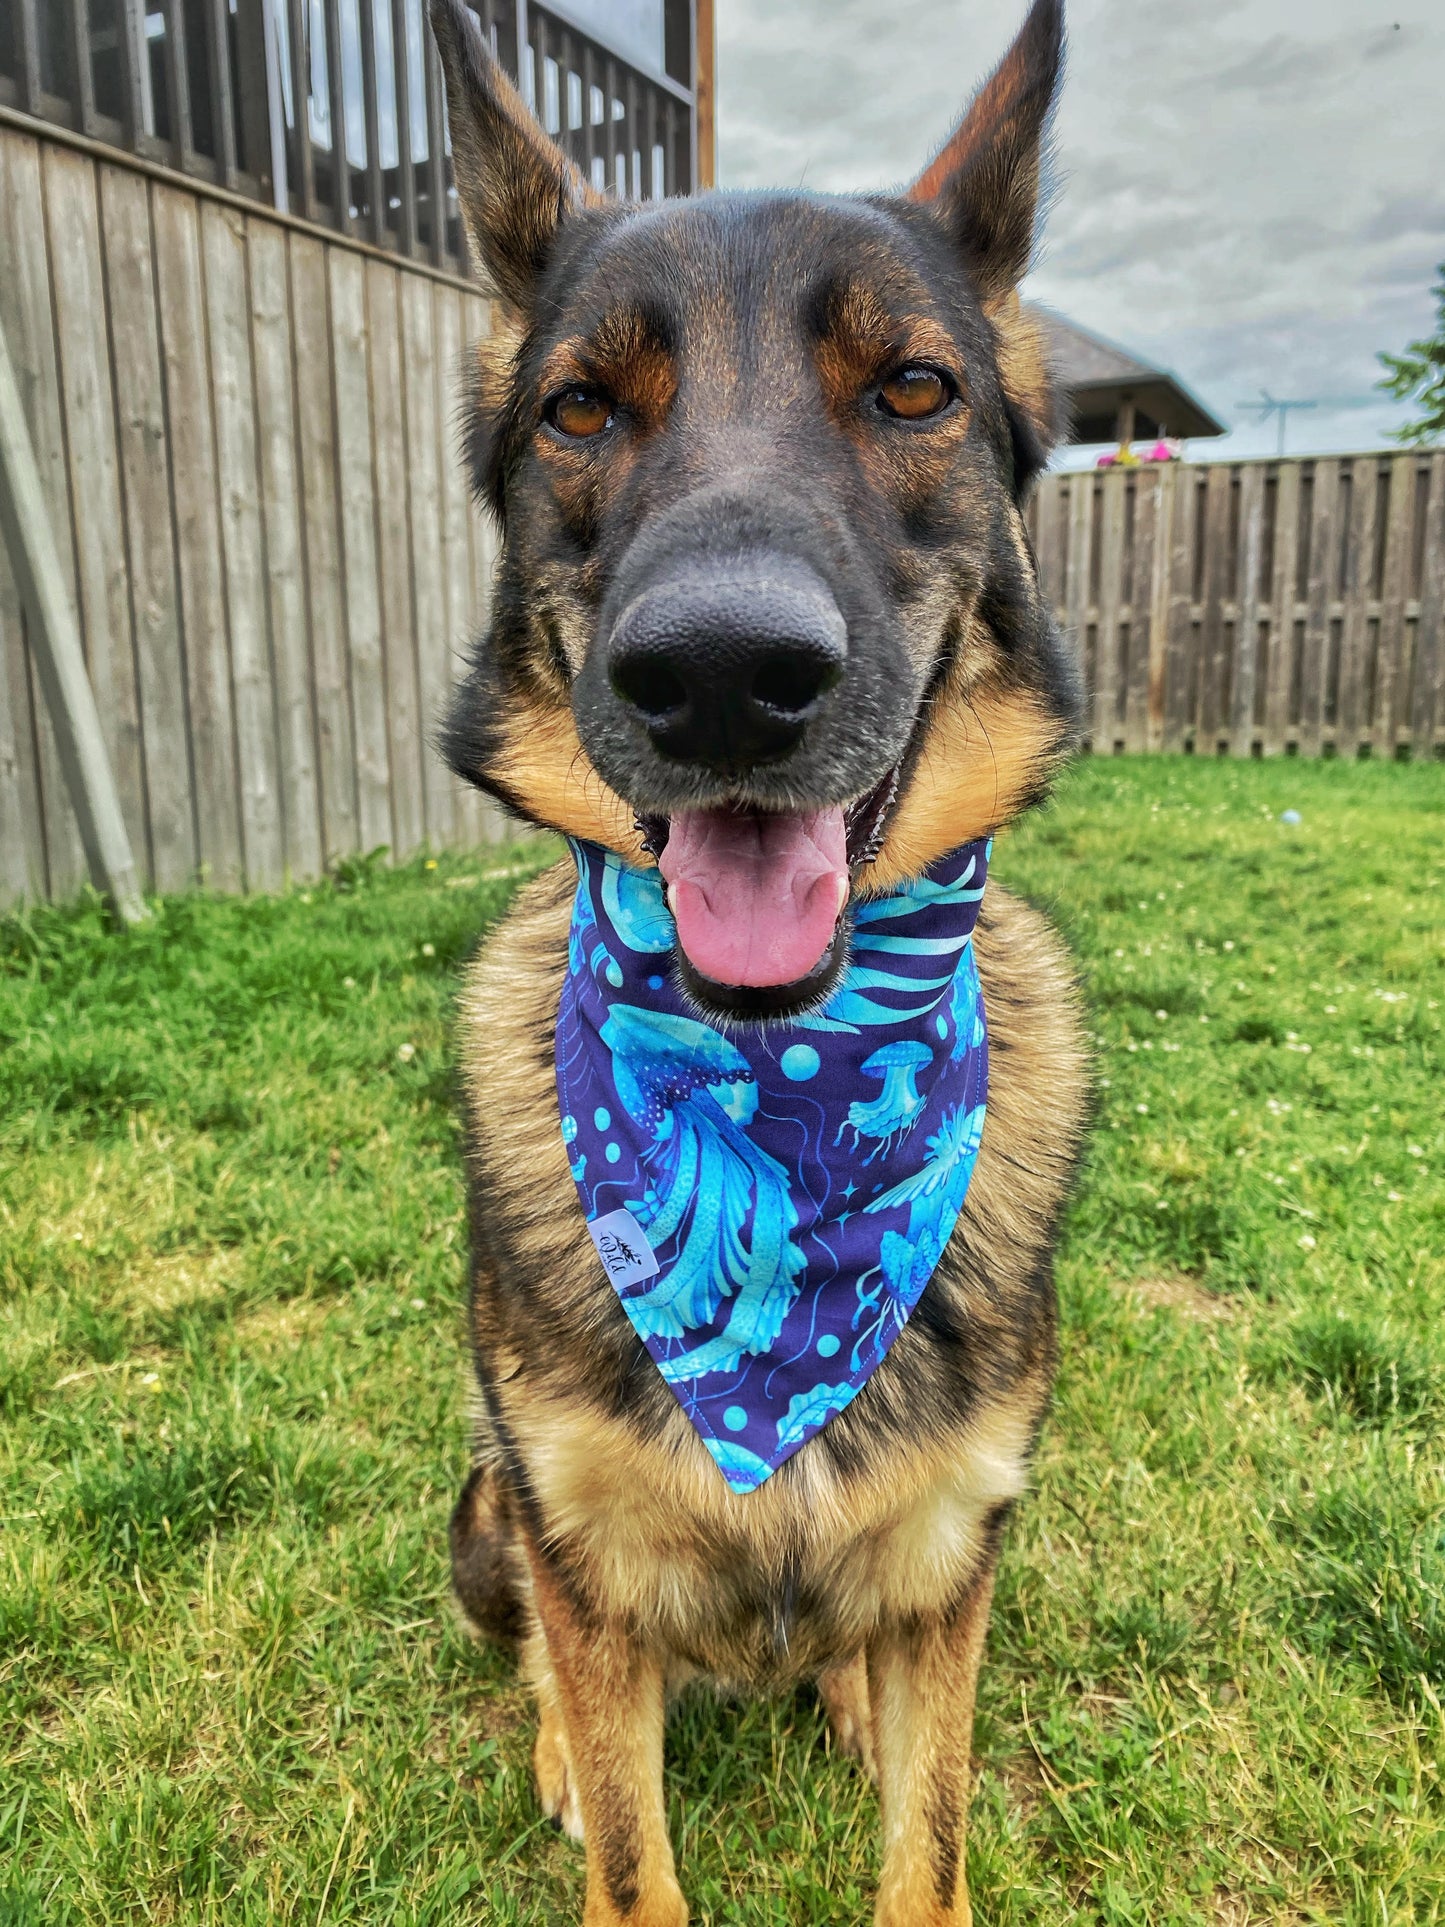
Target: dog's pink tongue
[{"x": 755, "y": 898}]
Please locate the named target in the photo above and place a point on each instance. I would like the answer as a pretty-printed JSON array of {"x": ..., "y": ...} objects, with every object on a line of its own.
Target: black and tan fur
[{"x": 737, "y": 334}]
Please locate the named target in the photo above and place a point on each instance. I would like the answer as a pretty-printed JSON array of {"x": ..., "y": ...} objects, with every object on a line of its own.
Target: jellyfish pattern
[{"x": 769, "y": 1200}]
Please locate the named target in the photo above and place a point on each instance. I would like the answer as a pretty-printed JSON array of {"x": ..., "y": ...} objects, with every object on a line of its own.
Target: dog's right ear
[{"x": 516, "y": 188}]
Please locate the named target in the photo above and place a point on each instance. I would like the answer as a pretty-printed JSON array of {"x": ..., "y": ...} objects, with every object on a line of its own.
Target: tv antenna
[{"x": 1272, "y": 405}]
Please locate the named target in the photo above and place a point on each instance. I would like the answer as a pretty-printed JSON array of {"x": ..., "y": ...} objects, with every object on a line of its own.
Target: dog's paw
[
  {"x": 844, "y": 1692},
  {"x": 662, "y": 1906},
  {"x": 556, "y": 1783}
]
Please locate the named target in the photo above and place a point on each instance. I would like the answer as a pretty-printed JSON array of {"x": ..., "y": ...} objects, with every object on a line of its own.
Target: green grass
[{"x": 232, "y": 1414}]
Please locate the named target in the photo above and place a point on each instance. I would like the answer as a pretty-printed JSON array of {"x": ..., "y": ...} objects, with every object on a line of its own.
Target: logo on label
[{"x": 622, "y": 1246}]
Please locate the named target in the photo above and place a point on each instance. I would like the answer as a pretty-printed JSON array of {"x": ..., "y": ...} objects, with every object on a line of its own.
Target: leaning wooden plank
[
  {"x": 285, "y": 555},
  {"x": 223, "y": 248},
  {"x": 73, "y": 219},
  {"x": 1427, "y": 707},
  {"x": 428, "y": 445},
  {"x": 1246, "y": 628},
  {"x": 55, "y": 640},
  {"x": 140, "y": 412},
  {"x": 336, "y": 757},
  {"x": 198, "y": 535},
  {"x": 1280, "y": 675},
  {"x": 391, "y": 459},
  {"x": 1323, "y": 574},
  {"x": 351, "y": 375},
  {"x": 28, "y": 319},
  {"x": 1391, "y": 723}
]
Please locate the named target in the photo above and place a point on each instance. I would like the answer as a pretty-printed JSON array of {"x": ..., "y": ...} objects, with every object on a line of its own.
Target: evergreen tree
[{"x": 1419, "y": 375}]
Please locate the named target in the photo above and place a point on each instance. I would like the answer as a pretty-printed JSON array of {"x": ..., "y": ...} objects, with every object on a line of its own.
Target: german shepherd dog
[{"x": 759, "y": 461}]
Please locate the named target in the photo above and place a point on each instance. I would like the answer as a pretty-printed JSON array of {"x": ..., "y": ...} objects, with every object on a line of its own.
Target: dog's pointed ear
[
  {"x": 516, "y": 187},
  {"x": 984, "y": 182}
]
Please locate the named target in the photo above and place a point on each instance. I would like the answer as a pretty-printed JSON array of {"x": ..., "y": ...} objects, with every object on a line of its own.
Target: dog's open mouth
[{"x": 759, "y": 896}]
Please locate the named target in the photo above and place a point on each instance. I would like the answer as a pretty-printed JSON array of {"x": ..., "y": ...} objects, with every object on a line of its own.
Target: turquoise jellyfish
[{"x": 898, "y": 1103}]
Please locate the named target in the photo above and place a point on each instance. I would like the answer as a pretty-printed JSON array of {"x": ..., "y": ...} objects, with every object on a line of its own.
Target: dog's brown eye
[
  {"x": 914, "y": 393},
  {"x": 580, "y": 412}
]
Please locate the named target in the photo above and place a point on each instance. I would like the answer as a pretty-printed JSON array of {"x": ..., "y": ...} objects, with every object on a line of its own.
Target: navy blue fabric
[{"x": 769, "y": 1200}]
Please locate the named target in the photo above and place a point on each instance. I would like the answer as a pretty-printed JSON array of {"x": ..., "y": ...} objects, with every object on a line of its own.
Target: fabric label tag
[{"x": 622, "y": 1246}]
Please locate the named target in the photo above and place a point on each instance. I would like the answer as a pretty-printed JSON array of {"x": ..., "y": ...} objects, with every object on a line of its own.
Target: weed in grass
[
  {"x": 1356, "y": 1368},
  {"x": 1371, "y": 1572}
]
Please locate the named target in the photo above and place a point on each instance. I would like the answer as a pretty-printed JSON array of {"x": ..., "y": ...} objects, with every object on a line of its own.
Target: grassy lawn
[{"x": 232, "y": 1414}]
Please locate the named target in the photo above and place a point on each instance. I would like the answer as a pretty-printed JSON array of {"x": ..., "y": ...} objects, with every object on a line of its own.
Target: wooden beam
[
  {"x": 704, "y": 92},
  {"x": 55, "y": 645}
]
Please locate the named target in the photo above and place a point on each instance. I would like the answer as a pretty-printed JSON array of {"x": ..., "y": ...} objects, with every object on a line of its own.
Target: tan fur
[
  {"x": 922, "y": 1680},
  {"x": 984, "y": 753},
  {"x": 843, "y": 1690},
  {"x": 551, "y": 777}
]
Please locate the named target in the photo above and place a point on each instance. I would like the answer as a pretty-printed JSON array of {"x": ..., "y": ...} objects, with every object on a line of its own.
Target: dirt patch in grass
[{"x": 1182, "y": 1296}]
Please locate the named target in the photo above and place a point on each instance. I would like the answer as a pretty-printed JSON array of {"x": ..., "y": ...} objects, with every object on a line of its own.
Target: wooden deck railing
[
  {"x": 333, "y": 110},
  {"x": 1255, "y": 608}
]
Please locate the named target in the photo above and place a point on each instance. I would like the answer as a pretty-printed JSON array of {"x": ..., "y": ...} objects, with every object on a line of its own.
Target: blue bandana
[{"x": 769, "y": 1200}]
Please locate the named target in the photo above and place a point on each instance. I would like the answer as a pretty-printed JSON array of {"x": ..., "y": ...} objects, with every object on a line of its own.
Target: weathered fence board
[
  {"x": 25, "y": 306},
  {"x": 285, "y": 558},
  {"x": 1255, "y": 608},
  {"x": 140, "y": 407}
]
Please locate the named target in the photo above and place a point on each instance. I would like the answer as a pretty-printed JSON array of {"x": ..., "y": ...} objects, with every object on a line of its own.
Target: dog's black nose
[{"x": 724, "y": 663}]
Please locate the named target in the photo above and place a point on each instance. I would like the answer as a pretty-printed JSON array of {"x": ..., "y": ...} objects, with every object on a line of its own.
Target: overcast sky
[{"x": 1250, "y": 192}]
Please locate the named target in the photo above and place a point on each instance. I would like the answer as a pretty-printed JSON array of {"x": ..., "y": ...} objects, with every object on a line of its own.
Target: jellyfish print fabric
[{"x": 769, "y": 1200}]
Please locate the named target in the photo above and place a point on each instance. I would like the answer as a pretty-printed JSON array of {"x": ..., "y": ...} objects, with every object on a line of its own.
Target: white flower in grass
[
  {"x": 428, "y": 950},
  {"x": 1395, "y": 1197},
  {"x": 418, "y": 1304},
  {"x": 1142, "y": 1109},
  {"x": 1307, "y": 1243},
  {"x": 1415, "y": 1150},
  {"x": 1228, "y": 944},
  {"x": 406, "y": 1053}
]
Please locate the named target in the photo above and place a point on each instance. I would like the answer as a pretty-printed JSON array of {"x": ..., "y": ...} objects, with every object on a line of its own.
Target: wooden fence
[
  {"x": 1255, "y": 608},
  {"x": 246, "y": 434}
]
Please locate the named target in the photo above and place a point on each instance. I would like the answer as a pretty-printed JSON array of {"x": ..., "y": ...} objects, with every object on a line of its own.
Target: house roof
[{"x": 1098, "y": 376}]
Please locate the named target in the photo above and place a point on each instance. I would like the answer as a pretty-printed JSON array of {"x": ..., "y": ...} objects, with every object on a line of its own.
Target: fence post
[{"x": 55, "y": 642}]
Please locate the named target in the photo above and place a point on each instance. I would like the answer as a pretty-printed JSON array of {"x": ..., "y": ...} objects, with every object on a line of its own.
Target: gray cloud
[{"x": 1246, "y": 190}]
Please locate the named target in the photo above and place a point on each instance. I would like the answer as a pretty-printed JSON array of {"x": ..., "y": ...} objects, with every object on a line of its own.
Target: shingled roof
[{"x": 1112, "y": 395}]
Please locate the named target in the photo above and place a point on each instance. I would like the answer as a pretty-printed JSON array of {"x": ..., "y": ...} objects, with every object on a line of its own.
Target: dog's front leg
[
  {"x": 921, "y": 1681},
  {"x": 610, "y": 1694}
]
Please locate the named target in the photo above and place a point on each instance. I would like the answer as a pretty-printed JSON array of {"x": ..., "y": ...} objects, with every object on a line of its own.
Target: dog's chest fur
[{"x": 885, "y": 1513}]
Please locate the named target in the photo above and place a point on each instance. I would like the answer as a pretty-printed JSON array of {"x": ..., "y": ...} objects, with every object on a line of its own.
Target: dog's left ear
[
  {"x": 515, "y": 185},
  {"x": 984, "y": 186},
  {"x": 984, "y": 183}
]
